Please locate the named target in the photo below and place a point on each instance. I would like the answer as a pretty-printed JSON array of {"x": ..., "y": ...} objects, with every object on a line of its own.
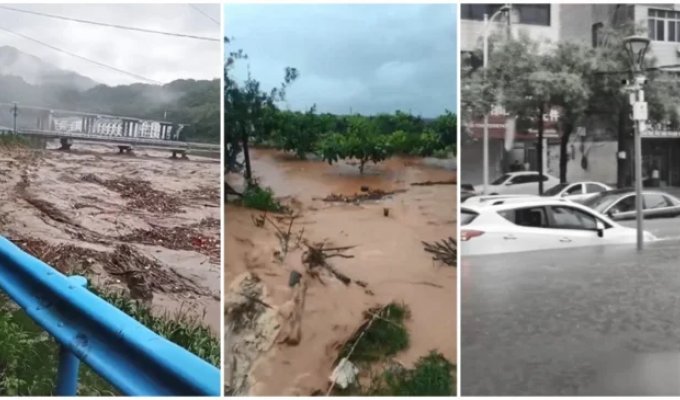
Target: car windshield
[
  {"x": 603, "y": 200},
  {"x": 555, "y": 190},
  {"x": 467, "y": 216},
  {"x": 500, "y": 179}
]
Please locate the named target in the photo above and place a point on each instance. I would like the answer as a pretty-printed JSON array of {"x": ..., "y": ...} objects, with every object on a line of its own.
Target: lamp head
[{"x": 636, "y": 47}]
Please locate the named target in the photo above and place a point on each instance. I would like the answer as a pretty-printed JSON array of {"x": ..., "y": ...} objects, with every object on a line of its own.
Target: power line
[
  {"x": 204, "y": 14},
  {"x": 80, "y": 57},
  {"x": 129, "y": 28}
]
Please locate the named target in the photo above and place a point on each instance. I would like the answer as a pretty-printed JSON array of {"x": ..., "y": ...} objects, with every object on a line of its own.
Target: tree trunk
[
  {"x": 539, "y": 150},
  {"x": 246, "y": 154},
  {"x": 362, "y": 163},
  {"x": 623, "y": 165},
  {"x": 564, "y": 158}
]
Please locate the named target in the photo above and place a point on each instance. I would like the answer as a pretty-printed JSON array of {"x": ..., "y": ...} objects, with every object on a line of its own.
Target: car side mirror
[
  {"x": 600, "y": 228},
  {"x": 508, "y": 183}
]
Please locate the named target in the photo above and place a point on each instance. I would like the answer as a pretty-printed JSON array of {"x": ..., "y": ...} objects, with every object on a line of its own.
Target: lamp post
[
  {"x": 505, "y": 9},
  {"x": 636, "y": 47}
]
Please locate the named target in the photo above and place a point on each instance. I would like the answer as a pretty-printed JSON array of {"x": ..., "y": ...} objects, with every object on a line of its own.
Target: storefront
[{"x": 661, "y": 151}]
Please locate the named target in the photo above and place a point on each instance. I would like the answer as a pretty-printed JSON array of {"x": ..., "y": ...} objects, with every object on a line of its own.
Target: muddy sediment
[
  {"x": 89, "y": 212},
  {"x": 387, "y": 262}
]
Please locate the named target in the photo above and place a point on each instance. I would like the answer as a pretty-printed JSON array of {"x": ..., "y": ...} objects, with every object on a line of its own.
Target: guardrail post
[{"x": 69, "y": 364}]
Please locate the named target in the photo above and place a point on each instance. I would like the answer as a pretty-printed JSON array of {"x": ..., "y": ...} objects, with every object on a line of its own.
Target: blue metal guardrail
[{"x": 128, "y": 355}]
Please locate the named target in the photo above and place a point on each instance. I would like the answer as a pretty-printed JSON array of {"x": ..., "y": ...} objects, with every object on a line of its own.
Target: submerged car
[
  {"x": 517, "y": 225},
  {"x": 524, "y": 182},
  {"x": 619, "y": 204},
  {"x": 577, "y": 191}
]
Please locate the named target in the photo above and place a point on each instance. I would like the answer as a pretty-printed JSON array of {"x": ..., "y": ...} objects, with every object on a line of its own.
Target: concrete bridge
[{"x": 126, "y": 132}]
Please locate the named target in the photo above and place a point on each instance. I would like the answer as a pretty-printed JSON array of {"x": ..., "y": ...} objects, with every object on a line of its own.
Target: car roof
[
  {"x": 630, "y": 191},
  {"x": 507, "y": 203}
]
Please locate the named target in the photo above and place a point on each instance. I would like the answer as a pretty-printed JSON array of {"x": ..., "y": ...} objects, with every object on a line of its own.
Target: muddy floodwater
[
  {"x": 388, "y": 259},
  {"x": 142, "y": 223}
]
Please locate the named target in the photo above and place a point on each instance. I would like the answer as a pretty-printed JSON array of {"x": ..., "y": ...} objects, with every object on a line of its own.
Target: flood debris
[
  {"x": 316, "y": 256},
  {"x": 345, "y": 374},
  {"x": 445, "y": 250},
  {"x": 369, "y": 194},
  {"x": 141, "y": 274},
  {"x": 176, "y": 238},
  {"x": 139, "y": 193},
  {"x": 203, "y": 193},
  {"x": 432, "y": 183}
]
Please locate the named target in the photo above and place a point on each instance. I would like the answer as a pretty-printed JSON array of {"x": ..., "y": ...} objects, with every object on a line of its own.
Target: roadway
[{"x": 587, "y": 321}]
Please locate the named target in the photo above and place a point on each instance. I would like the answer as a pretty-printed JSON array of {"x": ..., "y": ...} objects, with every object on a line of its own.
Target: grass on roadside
[
  {"x": 261, "y": 199},
  {"x": 8, "y": 139},
  {"x": 29, "y": 356}
]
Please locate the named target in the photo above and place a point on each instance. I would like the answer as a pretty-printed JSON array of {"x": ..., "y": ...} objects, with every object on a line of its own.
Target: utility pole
[
  {"x": 15, "y": 112},
  {"x": 637, "y": 98}
]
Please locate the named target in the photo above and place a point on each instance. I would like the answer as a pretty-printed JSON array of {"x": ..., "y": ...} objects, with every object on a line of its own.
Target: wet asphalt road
[{"x": 588, "y": 321}]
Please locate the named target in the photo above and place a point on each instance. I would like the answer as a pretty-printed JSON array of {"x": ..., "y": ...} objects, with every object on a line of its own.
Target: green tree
[{"x": 362, "y": 142}]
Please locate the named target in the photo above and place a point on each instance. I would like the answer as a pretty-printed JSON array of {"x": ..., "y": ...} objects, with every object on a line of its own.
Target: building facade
[{"x": 595, "y": 152}]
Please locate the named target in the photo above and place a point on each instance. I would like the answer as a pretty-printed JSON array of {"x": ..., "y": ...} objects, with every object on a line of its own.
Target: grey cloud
[{"x": 372, "y": 58}]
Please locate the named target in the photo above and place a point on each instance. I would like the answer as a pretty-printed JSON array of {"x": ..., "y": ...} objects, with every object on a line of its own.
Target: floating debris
[
  {"x": 445, "y": 250},
  {"x": 139, "y": 193}
]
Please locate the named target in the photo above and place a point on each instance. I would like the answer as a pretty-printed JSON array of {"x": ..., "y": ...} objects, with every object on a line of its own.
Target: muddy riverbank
[
  {"x": 388, "y": 260},
  {"x": 142, "y": 223}
]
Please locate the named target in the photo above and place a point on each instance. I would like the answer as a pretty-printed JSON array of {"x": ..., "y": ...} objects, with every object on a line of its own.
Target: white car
[
  {"x": 524, "y": 182},
  {"x": 517, "y": 225},
  {"x": 577, "y": 191}
]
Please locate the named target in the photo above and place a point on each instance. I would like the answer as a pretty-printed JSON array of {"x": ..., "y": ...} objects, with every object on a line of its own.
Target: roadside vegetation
[
  {"x": 372, "y": 349},
  {"x": 261, "y": 198},
  {"x": 29, "y": 355}
]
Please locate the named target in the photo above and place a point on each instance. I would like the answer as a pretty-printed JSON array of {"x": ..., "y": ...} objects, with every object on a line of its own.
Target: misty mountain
[
  {"x": 35, "y": 71},
  {"x": 185, "y": 101}
]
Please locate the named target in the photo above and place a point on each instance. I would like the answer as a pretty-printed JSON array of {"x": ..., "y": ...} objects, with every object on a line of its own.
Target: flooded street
[
  {"x": 388, "y": 258},
  {"x": 597, "y": 321},
  {"x": 142, "y": 222}
]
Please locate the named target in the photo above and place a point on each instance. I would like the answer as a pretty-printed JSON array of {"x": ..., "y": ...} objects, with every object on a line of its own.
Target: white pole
[
  {"x": 639, "y": 124},
  {"x": 485, "y": 142}
]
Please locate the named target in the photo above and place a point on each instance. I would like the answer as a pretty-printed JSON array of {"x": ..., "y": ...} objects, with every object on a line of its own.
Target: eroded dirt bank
[
  {"x": 388, "y": 263},
  {"x": 142, "y": 223}
]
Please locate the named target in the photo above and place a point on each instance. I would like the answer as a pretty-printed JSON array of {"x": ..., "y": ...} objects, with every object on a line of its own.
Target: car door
[
  {"x": 572, "y": 227},
  {"x": 656, "y": 205},
  {"x": 623, "y": 209},
  {"x": 526, "y": 230}
]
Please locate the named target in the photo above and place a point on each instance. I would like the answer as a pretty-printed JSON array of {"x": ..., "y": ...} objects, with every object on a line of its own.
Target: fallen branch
[
  {"x": 431, "y": 183},
  {"x": 445, "y": 250}
]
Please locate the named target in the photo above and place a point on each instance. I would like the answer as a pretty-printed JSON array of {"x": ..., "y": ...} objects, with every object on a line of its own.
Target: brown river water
[
  {"x": 388, "y": 256},
  {"x": 54, "y": 199}
]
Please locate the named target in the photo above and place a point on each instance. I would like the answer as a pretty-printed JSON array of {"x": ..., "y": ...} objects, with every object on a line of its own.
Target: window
[
  {"x": 572, "y": 218},
  {"x": 467, "y": 216},
  {"x": 500, "y": 179},
  {"x": 594, "y": 188},
  {"x": 532, "y": 217},
  {"x": 596, "y": 32},
  {"x": 656, "y": 200},
  {"x": 663, "y": 25},
  {"x": 530, "y": 14},
  {"x": 576, "y": 189},
  {"x": 625, "y": 205}
]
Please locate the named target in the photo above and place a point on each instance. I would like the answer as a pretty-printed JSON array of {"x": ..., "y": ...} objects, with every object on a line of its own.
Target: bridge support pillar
[
  {"x": 67, "y": 373},
  {"x": 65, "y": 144}
]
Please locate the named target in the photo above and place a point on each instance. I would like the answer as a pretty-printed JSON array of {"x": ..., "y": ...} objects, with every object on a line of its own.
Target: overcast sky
[
  {"x": 370, "y": 58},
  {"x": 158, "y": 57}
]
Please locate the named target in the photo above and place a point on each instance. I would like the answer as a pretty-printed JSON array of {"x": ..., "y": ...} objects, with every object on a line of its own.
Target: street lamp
[
  {"x": 636, "y": 47},
  {"x": 507, "y": 10}
]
